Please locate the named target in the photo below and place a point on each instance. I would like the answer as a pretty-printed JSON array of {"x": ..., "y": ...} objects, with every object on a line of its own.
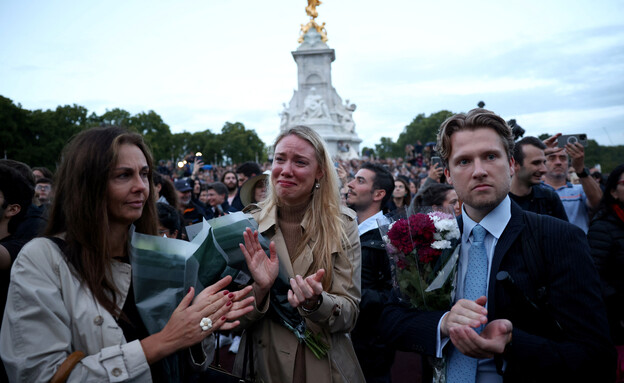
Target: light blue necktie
[{"x": 462, "y": 368}]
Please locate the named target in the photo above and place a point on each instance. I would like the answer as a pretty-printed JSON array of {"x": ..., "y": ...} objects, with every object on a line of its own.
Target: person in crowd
[
  {"x": 437, "y": 196},
  {"x": 413, "y": 187},
  {"x": 16, "y": 193},
  {"x": 578, "y": 200},
  {"x": 165, "y": 190},
  {"x": 606, "y": 240},
  {"x": 255, "y": 189},
  {"x": 42, "y": 172},
  {"x": 217, "y": 205},
  {"x": 170, "y": 223},
  {"x": 246, "y": 171},
  {"x": 34, "y": 219},
  {"x": 163, "y": 168},
  {"x": 243, "y": 173},
  {"x": 368, "y": 194},
  {"x": 433, "y": 176},
  {"x": 192, "y": 211},
  {"x": 527, "y": 304},
  {"x": 598, "y": 177},
  {"x": 43, "y": 192},
  {"x": 230, "y": 180},
  {"x": 315, "y": 242},
  {"x": 197, "y": 187},
  {"x": 526, "y": 189},
  {"x": 401, "y": 197},
  {"x": 72, "y": 290},
  {"x": 203, "y": 196}
]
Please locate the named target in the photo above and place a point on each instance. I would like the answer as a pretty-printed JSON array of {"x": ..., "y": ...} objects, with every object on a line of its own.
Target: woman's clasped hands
[
  {"x": 304, "y": 292},
  {"x": 196, "y": 317}
]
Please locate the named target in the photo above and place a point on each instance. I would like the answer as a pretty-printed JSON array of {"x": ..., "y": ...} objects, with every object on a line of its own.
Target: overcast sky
[{"x": 554, "y": 66}]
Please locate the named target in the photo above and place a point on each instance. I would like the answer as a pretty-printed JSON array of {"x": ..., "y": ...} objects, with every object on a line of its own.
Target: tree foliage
[
  {"x": 241, "y": 144},
  {"x": 38, "y": 137},
  {"x": 387, "y": 148},
  {"x": 609, "y": 157},
  {"x": 422, "y": 128}
]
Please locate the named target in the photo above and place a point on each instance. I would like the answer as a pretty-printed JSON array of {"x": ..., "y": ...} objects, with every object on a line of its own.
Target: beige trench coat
[{"x": 274, "y": 346}]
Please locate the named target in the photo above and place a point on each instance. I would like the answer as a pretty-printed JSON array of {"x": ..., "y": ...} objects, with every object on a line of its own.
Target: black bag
[{"x": 215, "y": 373}]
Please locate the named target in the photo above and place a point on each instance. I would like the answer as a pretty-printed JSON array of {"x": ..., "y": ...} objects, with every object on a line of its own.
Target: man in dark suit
[
  {"x": 527, "y": 300},
  {"x": 370, "y": 190}
]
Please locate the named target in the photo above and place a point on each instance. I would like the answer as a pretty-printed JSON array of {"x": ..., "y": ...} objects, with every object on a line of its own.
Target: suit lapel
[{"x": 510, "y": 234}]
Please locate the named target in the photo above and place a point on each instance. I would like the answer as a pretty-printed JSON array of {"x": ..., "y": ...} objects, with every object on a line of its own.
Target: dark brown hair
[
  {"x": 475, "y": 119},
  {"x": 518, "y": 152},
  {"x": 80, "y": 208},
  {"x": 407, "y": 198}
]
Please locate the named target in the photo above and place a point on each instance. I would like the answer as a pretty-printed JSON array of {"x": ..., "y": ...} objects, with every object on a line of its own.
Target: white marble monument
[{"x": 316, "y": 103}]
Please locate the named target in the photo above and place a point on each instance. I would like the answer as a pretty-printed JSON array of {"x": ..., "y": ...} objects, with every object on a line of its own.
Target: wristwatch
[
  {"x": 584, "y": 173},
  {"x": 316, "y": 305}
]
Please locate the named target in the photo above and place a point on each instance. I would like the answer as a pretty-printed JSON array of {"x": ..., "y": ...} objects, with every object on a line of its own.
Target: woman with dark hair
[
  {"x": 72, "y": 290},
  {"x": 170, "y": 222},
  {"x": 42, "y": 172},
  {"x": 401, "y": 196},
  {"x": 315, "y": 246},
  {"x": 197, "y": 188},
  {"x": 166, "y": 190},
  {"x": 606, "y": 240},
  {"x": 437, "y": 196}
]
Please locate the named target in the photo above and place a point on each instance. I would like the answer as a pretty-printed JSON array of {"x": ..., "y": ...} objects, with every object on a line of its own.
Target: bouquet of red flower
[{"x": 423, "y": 252}]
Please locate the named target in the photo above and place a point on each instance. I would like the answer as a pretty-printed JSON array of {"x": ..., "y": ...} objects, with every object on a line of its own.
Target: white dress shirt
[{"x": 370, "y": 223}]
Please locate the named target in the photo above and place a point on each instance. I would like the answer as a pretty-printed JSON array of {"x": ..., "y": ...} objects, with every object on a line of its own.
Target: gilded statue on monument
[
  {"x": 313, "y": 13},
  {"x": 311, "y": 8}
]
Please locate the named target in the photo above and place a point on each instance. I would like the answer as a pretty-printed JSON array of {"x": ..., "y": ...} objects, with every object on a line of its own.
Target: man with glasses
[{"x": 43, "y": 192}]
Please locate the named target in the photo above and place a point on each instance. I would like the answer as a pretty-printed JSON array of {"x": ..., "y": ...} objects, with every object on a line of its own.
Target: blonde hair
[{"x": 323, "y": 220}]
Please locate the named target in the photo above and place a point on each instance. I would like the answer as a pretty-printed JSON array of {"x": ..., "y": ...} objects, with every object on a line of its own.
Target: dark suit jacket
[
  {"x": 581, "y": 353},
  {"x": 542, "y": 201},
  {"x": 373, "y": 353}
]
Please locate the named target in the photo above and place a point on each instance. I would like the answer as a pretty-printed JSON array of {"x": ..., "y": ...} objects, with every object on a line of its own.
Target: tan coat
[{"x": 275, "y": 346}]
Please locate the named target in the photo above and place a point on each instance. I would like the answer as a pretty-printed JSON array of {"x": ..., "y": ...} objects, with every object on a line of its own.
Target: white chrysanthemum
[
  {"x": 437, "y": 236},
  {"x": 445, "y": 224},
  {"x": 435, "y": 218},
  {"x": 453, "y": 233},
  {"x": 441, "y": 245}
]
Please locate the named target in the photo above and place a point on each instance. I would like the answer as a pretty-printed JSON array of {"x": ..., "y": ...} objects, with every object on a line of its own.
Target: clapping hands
[{"x": 464, "y": 317}]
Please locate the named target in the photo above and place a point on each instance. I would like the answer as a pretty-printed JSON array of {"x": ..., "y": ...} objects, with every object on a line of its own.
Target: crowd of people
[{"x": 538, "y": 293}]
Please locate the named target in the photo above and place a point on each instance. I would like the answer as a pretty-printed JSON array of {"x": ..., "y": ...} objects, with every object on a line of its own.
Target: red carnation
[
  {"x": 400, "y": 237},
  {"x": 422, "y": 229},
  {"x": 427, "y": 254}
]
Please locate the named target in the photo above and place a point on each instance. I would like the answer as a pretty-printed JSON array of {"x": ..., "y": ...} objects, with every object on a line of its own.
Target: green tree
[
  {"x": 38, "y": 137},
  {"x": 207, "y": 143},
  {"x": 116, "y": 117},
  {"x": 387, "y": 148},
  {"x": 12, "y": 124},
  {"x": 239, "y": 144},
  {"x": 366, "y": 151},
  {"x": 155, "y": 132},
  {"x": 422, "y": 128},
  {"x": 180, "y": 145}
]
